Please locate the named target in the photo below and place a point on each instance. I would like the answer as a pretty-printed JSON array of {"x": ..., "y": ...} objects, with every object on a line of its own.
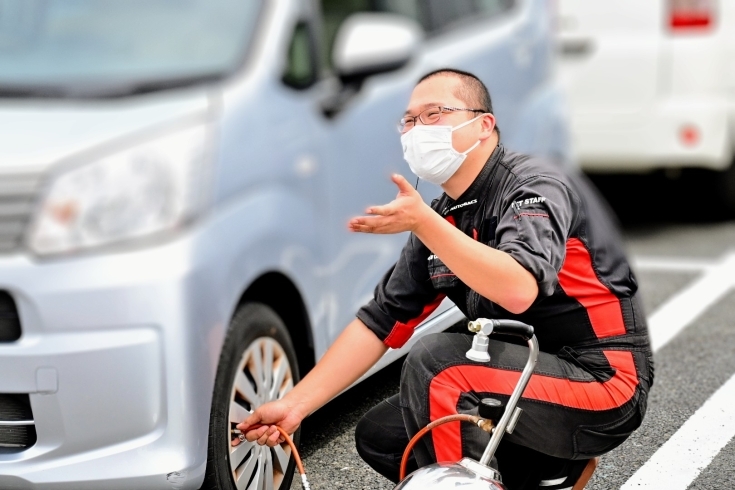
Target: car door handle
[
  {"x": 576, "y": 47},
  {"x": 523, "y": 53}
]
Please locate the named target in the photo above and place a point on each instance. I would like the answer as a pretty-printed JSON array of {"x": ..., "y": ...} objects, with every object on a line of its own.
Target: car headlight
[{"x": 148, "y": 189}]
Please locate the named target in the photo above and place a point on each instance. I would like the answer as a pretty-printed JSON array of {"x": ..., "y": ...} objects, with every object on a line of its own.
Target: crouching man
[{"x": 511, "y": 237}]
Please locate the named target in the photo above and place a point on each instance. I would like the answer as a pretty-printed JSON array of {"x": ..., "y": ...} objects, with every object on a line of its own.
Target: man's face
[{"x": 439, "y": 90}]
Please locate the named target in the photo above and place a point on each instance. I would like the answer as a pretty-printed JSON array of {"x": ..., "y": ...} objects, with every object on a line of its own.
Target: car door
[{"x": 492, "y": 38}]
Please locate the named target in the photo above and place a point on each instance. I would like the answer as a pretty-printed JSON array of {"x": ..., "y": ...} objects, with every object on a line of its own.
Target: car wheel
[{"x": 257, "y": 365}]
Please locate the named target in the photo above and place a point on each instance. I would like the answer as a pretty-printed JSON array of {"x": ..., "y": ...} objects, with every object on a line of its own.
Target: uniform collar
[{"x": 479, "y": 187}]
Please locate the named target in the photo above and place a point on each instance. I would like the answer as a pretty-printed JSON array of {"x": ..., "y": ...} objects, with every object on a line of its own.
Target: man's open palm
[{"x": 404, "y": 213}]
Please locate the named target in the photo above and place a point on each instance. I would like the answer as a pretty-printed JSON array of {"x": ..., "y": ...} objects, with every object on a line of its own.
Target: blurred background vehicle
[
  {"x": 175, "y": 181},
  {"x": 651, "y": 86}
]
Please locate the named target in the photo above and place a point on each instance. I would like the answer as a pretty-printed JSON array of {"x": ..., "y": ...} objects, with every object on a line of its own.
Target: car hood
[{"x": 35, "y": 134}]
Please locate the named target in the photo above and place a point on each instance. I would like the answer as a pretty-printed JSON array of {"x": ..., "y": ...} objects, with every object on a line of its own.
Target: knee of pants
[
  {"x": 376, "y": 447},
  {"x": 421, "y": 358},
  {"x": 370, "y": 441},
  {"x": 362, "y": 438},
  {"x": 418, "y": 370}
]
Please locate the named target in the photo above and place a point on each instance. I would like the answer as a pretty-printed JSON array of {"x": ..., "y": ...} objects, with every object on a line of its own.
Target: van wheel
[{"x": 257, "y": 365}]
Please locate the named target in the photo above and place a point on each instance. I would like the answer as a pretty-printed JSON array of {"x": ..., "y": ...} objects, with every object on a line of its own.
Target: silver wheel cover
[{"x": 263, "y": 375}]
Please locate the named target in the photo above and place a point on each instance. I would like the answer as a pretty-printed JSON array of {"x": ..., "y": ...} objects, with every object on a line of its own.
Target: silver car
[{"x": 175, "y": 181}]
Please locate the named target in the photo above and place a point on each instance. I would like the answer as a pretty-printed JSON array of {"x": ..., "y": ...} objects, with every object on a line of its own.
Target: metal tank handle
[{"x": 484, "y": 327}]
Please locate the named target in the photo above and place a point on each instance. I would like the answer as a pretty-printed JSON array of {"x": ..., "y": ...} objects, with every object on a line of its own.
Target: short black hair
[{"x": 472, "y": 91}]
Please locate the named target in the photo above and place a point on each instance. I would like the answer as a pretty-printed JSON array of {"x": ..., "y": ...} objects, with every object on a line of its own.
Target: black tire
[{"x": 254, "y": 329}]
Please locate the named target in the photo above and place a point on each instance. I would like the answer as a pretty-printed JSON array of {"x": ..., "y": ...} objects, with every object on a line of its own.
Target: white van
[{"x": 651, "y": 85}]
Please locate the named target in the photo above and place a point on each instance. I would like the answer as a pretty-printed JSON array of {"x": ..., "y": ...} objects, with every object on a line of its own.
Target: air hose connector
[
  {"x": 482, "y": 327},
  {"x": 486, "y": 425}
]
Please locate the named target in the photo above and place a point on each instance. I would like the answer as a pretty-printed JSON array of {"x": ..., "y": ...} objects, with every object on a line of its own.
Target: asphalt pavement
[{"x": 680, "y": 251}]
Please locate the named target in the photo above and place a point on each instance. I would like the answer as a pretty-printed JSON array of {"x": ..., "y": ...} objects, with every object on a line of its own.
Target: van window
[
  {"x": 434, "y": 16},
  {"x": 335, "y": 12},
  {"x": 301, "y": 69},
  {"x": 494, "y": 7},
  {"x": 69, "y": 47},
  {"x": 444, "y": 15}
]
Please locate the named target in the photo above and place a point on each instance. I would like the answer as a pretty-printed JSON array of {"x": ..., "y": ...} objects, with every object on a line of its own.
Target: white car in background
[{"x": 651, "y": 85}]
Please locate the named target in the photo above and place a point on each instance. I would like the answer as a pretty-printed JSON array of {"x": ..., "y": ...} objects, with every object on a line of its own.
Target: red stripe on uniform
[
  {"x": 446, "y": 388},
  {"x": 401, "y": 332},
  {"x": 578, "y": 279}
]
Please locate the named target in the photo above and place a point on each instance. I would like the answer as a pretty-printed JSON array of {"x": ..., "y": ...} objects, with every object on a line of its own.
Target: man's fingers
[
  {"x": 274, "y": 438},
  {"x": 265, "y": 439},
  {"x": 270, "y": 439},
  {"x": 385, "y": 210},
  {"x": 369, "y": 224},
  {"x": 253, "y": 419},
  {"x": 257, "y": 434},
  {"x": 403, "y": 185},
  {"x": 361, "y": 228}
]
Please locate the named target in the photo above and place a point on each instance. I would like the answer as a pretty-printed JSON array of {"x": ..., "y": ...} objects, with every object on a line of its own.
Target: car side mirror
[{"x": 372, "y": 43}]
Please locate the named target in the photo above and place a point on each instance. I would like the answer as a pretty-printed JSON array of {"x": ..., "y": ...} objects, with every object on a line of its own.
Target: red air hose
[
  {"x": 484, "y": 424},
  {"x": 296, "y": 456}
]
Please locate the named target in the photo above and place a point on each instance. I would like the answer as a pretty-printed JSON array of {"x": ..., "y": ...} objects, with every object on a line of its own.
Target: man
[{"x": 511, "y": 237}]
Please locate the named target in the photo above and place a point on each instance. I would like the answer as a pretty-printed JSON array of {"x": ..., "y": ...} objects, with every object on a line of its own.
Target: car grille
[
  {"x": 17, "y": 196},
  {"x": 17, "y": 428},
  {"x": 9, "y": 320}
]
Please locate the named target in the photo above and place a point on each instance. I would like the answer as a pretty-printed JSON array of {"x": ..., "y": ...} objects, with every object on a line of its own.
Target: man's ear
[{"x": 488, "y": 125}]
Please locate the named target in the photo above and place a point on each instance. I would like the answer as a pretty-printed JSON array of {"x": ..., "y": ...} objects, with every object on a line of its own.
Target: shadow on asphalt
[
  {"x": 343, "y": 413},
  {"x": 657, "y": 200}
]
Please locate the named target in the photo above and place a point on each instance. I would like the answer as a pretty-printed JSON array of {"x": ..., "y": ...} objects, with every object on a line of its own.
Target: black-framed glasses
[{"x": 429, "y": 116}]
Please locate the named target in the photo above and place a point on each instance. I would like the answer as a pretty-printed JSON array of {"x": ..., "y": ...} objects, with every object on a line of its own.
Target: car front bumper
[{"x": 117, "y": 355}]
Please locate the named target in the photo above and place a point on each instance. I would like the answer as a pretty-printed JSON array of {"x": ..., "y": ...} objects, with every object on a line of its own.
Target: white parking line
[
  {"x": 692, "y": 448},
  {"x": 673, "y": 264},
  {"x": 685, "y": 306},
  {"x": 678, "y": 462}
]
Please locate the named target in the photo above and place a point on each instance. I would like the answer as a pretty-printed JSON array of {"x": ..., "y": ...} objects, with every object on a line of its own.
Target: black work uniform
[{"x": 589, "y": 389}]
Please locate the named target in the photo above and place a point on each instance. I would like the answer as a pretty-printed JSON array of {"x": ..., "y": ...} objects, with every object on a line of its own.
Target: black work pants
[{"x": 569, "y": 414}]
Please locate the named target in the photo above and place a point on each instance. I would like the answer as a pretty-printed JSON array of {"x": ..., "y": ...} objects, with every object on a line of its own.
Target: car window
[
  {"x": 444, "y": 15},
  {"x": 494, "y": 7},
  {"x": 335, "y": 12},
  {"x": 434, "y": 16},
  {"x": 414, "y": 9},
  {"x": 71, "y": 47},
  {"x": 301, "y": 69}
]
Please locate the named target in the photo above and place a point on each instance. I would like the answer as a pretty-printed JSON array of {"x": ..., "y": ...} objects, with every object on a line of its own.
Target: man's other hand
[{"x": 405, "y": 213}]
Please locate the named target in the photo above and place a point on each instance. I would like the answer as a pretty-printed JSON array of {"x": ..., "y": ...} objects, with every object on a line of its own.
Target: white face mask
[{"x": 430, "y": 154}]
